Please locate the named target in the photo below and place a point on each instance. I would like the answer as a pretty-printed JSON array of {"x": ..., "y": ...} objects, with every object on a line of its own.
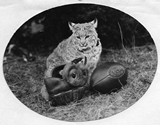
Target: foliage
[{"x": 44, "y": 31}]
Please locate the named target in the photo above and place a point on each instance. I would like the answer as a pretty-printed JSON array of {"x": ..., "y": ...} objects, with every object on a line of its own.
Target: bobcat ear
[
  {"x": 71, "y": 25},
  {"x": 94, "y": 23}
]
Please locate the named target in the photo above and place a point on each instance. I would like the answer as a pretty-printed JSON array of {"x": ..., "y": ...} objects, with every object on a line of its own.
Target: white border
[{"x": 145, "y": 112}]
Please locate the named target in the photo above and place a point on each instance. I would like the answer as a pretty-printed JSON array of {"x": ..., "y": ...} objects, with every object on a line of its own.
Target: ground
[{"x": 25, "y": 81}]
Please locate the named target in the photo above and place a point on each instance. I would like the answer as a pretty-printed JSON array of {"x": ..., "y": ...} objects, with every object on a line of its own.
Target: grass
[{"x": 25, "y": 81}]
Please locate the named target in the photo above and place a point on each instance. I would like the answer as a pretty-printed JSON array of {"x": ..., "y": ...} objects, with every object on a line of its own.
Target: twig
[{"x": 121, "y": 34}]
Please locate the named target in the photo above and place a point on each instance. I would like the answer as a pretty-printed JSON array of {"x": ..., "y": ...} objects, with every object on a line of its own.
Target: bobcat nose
[{"x": 84, "y": 44}]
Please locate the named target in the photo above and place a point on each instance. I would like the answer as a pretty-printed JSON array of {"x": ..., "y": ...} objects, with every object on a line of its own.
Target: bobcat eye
[
  {"x": 78, "y": 37},
  {"x": 87, "y": 36}
]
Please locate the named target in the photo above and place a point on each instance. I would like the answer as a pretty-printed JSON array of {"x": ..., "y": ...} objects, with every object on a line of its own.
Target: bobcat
[{"x": 83, "y": 43}]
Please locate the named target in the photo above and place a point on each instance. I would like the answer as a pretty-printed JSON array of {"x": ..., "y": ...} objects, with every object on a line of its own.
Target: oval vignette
[{"x": 123, "y": 38}]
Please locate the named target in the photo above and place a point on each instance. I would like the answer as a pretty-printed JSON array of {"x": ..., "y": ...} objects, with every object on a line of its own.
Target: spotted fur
[{"x": 83, "y": 42}]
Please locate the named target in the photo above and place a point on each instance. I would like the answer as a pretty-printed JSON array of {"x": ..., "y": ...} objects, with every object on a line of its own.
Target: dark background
[{"x": 114, "y": 27}]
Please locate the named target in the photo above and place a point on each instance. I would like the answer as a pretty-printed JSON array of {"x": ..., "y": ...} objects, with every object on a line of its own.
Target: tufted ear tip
[
  {"x": 94, "y": 22},
  {"x": 71, "y": 25}
]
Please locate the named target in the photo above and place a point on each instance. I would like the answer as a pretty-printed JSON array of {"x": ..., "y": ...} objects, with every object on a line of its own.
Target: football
[{"x": 108, "y": 77}]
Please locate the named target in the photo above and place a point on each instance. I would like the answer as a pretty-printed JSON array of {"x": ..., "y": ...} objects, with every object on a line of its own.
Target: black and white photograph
[{"x": 80, "y": 62}]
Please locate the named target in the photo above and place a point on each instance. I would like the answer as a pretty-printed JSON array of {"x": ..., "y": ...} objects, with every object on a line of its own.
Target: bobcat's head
[{"x": 84, "y": 35}]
